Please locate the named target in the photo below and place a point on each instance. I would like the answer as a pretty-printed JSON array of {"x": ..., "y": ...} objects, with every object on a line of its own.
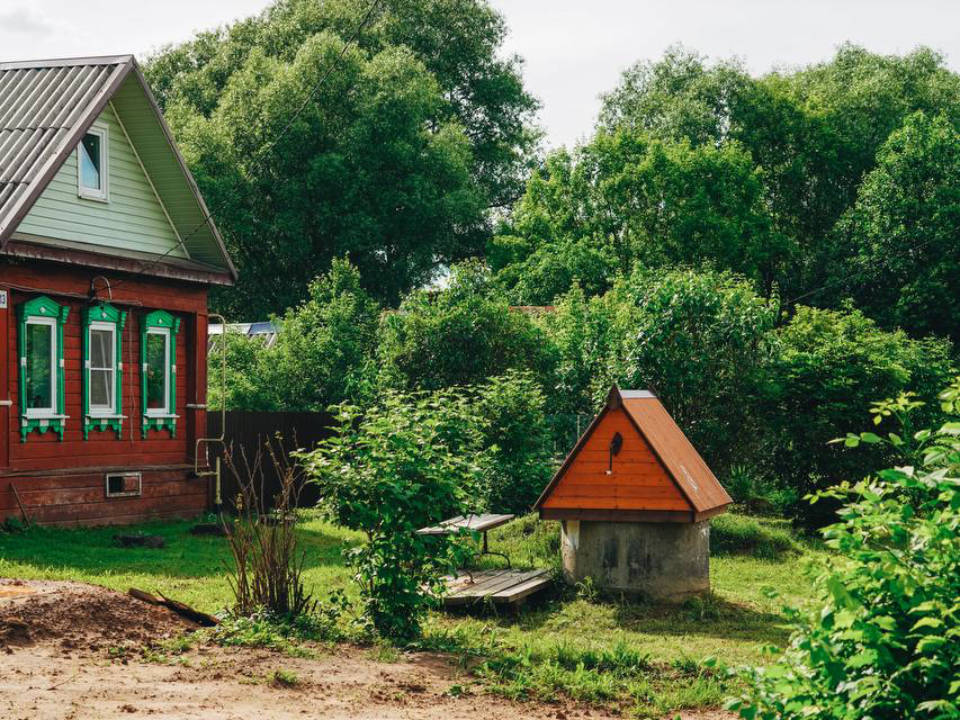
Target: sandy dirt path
[{"x": 71, "y": 652}]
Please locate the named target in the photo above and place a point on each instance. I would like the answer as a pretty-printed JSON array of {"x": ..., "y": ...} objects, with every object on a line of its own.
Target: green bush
[
  {"x": 461, "y": 335},
  {"x": 518, "y": 464},
  {"x": 587, "y": 337},
  {"x": 702, "y": 342},
  {"x": 405, "y": 463},
  {"x": 323, "y": 353},
  {"x": 550, "y": 270},
  {"x": 756, "y": 493},
  {"x": 883, "y": 644},
  {"x": 829, "y": 366}
]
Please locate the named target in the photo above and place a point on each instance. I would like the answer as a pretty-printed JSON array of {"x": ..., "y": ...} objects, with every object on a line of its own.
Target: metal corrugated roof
[
  {"x": 46, "y": 106},
  {"x": 681, "y": 460}
]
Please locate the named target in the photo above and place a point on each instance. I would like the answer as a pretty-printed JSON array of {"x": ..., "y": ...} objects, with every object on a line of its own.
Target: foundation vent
[{"x": 123, "y": 484}]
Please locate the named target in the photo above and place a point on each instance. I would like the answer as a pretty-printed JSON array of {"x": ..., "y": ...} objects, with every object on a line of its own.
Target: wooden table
[{"x": 474, "y": 523}]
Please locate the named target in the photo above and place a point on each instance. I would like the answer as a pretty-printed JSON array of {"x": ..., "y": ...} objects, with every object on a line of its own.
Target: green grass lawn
[{"x": 572, "y": 642}]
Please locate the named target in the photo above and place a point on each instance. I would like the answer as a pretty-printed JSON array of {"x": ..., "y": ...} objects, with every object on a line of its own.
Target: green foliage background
[
  {"x": 768, "y": 253},
  {"x": 407, "y": 137}
]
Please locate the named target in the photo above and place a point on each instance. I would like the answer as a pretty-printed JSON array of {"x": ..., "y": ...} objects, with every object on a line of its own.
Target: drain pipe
[{"x": 215, "y": 473}]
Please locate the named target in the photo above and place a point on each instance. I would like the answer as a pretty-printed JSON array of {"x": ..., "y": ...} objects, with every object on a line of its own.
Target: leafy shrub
[
  {"x": 754, "y": 491},
  {"x": 829, "y": 366},
  {"x": 550, "y": 270},
  {"x": 323, "y": 352},
  {"x": 701, "y": 341},
  {"x": 518, "y": 464},
  {"x": 407, "y": 462},
  {"x": 587, "y": 338},
  {"x": 884, "y": 642},
  {"x": 461, "y": 335}
]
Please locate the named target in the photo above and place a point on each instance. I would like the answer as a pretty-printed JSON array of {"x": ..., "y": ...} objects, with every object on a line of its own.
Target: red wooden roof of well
[{"x": 683, "y": 463}]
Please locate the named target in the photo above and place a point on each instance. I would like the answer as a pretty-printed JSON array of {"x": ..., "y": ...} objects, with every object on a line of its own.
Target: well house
[{"x": 634, "y": 499}]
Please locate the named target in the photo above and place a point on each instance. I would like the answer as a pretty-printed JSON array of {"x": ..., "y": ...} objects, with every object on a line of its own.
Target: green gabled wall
[{"x": 132, "y": 219}]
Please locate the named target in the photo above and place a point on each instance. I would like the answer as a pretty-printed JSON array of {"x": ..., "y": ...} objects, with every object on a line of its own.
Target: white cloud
[
  {"x": 574, "y": 49},
  {"x": 25, "y": 21}
]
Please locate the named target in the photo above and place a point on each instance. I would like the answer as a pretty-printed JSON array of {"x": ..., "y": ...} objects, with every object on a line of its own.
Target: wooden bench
[
  {"x": 500, "y": 587},
  {"x": 475, "y": 523}
]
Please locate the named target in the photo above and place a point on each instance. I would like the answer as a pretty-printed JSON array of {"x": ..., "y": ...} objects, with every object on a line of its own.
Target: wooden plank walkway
[{"x": 503, "y": 587}]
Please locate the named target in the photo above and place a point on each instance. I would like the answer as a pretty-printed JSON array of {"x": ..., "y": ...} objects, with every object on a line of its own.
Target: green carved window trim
[
  {"x": 160, "y": 322},
  {"x": 95, "y": 316},
  {"x": 42, "y": 310}
]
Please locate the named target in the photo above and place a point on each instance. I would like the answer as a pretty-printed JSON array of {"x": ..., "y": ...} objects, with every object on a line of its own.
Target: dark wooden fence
[{"x": 248, "y": 430}]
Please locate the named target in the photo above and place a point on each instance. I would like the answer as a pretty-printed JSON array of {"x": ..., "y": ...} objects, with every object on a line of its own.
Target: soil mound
[{"x": 76, "y": 615}]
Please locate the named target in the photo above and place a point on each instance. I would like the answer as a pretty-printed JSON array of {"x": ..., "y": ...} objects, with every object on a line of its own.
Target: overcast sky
[{"x": 574, "y": 49}]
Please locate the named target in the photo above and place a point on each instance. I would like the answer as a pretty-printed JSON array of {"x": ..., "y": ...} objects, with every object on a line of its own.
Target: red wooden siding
[
  {"x": 638, "y": 482},
  {"x": 80, "y": 498},
  {"x": 63, "y": 481}
]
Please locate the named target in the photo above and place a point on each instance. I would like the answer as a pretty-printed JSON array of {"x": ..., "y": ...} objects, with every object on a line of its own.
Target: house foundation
[{"x": 659, "y": 561}]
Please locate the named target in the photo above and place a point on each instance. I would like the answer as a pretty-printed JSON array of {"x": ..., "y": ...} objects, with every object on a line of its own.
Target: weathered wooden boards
[
  {"x": 502, "y": 587},
  {"x": 201, "y": 618}
]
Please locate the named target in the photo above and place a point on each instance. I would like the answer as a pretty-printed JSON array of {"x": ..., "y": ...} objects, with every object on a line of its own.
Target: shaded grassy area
[
  {"x": 646, "y": 658},
  {"x": 190, "y": 568}
]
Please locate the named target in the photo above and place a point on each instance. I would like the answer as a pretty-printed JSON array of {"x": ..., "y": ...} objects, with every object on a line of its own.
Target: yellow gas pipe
[{"x": 223, "y": 415}]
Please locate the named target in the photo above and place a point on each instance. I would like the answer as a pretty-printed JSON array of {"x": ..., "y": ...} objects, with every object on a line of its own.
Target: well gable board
[
  {"x": 639, "y": 480},
  {"x": 133, "y": 218}
]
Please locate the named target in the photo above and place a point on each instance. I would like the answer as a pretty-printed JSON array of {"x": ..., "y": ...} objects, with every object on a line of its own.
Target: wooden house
[
  {"x": 107, "y": 252},
  {"x": 634, "y": 498}
]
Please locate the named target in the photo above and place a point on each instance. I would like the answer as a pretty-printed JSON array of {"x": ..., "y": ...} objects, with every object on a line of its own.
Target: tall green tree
[
  {"x": 627, "y": 197},
  {"x": 813, "y": 132},
  {"x": 418, "y": 130},
  {"x": 905, "y": 229}
]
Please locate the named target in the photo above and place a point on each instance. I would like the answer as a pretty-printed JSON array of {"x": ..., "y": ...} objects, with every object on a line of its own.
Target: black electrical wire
[{"x": 865, "y": 271}]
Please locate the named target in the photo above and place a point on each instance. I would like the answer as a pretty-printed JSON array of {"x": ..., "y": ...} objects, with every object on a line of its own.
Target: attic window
[{"x": 92, "y": 165}]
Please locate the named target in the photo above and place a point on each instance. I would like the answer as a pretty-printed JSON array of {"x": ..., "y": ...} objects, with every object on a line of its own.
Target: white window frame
[
  {"x": 47, "y": 412},
  {"x": 102, "y": 410},
  {"x": 102, "y": 194},
  {"x": 165, "y": 411}
]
